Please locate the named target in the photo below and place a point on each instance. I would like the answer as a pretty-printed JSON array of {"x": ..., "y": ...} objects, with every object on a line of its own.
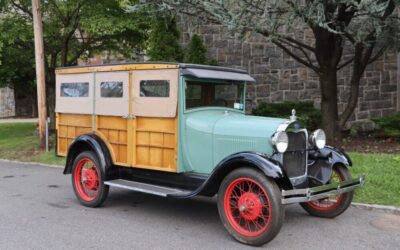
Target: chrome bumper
[{"x": 320, "y": 192}]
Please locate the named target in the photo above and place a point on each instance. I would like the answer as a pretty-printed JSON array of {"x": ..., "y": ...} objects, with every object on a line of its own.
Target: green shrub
[
  {"x": 163, "y": 42},
  {"x": 389, "y": 125},
  {"x": 197, "y": 52},
  {"x": 305, "y": 112}
]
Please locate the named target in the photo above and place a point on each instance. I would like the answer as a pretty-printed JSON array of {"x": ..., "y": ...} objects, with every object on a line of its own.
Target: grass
[
  {"x": 19, "y": 142},
  {"x": 382, "y": 173}
]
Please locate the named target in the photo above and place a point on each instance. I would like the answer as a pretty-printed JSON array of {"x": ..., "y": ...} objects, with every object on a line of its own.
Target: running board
[{"x": 147, "y": 188}]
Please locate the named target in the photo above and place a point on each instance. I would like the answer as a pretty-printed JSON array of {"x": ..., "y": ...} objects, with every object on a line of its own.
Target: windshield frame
[{"x": 210, "y": 81}]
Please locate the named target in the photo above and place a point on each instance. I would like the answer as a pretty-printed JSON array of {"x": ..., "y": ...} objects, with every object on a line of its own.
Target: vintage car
[{"x": 180, "y": 130}]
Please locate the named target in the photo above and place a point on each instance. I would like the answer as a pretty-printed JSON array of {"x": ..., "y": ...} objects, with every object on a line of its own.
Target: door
[
  {"x": 155, "y": 125},
  {"x": 112, "y": 113}
]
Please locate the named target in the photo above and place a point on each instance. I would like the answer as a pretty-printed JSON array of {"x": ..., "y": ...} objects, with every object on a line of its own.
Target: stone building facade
[
  {"x": 7, "y": 102},
  {"x": 280, "y": 78}
]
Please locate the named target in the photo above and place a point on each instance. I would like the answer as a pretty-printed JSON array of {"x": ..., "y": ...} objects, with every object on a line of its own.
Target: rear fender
[{"x": 88, "y": 142}]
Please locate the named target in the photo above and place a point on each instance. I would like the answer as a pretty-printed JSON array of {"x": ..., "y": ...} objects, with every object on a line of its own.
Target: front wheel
[
  {"x": 249, "y": 205},
  {"x": 334, "y": 205},
  {"x": 88, "y": 180}
]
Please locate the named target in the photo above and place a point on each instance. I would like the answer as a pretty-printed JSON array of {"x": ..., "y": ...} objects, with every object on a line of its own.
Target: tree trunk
[{"x": 329, "y": 108}]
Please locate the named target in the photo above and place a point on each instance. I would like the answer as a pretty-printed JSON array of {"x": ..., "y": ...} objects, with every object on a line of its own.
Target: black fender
[
  {"x": 88, "y": 142},
  {"x": 261, "y": 162},
  {"x": 322, "y": 161}
]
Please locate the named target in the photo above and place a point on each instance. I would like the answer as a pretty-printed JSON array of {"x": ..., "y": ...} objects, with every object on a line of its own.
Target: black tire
[
  {"x": 269, "y": 194},
  {"x": 339, "y": 207},
  {"x": 100, "y": 190}
]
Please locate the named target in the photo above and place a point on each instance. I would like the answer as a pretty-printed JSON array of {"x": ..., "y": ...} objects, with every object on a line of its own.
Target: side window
[
  {"x": 111, "y": 89},
  {"x": 193, "y": 92},
  {"x": 74, "y": 89},
  {"x": 154, "y": 88}
]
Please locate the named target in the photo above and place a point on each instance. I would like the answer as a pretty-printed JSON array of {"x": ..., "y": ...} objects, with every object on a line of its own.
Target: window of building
[
  {"x": 75, "y": 89},
  {"x": 111, "y": 89},
  {"x": 154, "y": 88}
]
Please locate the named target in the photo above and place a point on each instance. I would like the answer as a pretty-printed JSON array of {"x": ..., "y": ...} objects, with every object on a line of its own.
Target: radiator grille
[{"x": 294, "y": 159}]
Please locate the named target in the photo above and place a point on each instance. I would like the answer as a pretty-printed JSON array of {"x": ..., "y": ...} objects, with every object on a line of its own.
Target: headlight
[
  {"x": 318, "y": 138},
  {"x": 280, "y": 141}
]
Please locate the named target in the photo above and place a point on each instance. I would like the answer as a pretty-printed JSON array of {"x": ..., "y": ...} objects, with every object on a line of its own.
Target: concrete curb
[
  {"x": 375, "y": 207},
  {"x": 369, "y": 207},
  {"x": 31, "y": 163}
]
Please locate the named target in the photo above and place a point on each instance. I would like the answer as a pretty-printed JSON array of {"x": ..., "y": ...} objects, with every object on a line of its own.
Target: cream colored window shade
[
  {"x": 155, "y": 92},
  {"x": 74, "y": 93},
  {"x": 112, "y": 93}
]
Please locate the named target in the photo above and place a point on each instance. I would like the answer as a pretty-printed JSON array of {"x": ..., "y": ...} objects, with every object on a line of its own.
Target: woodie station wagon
[{"x": 180, "y": 130}]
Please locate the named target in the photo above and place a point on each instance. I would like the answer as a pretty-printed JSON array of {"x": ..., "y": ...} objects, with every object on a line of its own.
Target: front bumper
[{"x": 320, "y": 192}]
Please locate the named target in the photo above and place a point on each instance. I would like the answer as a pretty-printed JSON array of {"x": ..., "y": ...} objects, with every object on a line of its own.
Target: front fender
[
  {"x": 261, "y": 162},
  {"x": 322, "y": 161},
  {"x": 88, "y": 142}
]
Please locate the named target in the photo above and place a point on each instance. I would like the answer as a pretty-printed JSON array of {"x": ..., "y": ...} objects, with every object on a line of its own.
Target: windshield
[{"x": 215, "y": 94}]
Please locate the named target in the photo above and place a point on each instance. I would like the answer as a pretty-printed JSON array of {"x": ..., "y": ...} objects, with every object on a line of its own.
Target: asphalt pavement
[{"x": 38, "y": 210}]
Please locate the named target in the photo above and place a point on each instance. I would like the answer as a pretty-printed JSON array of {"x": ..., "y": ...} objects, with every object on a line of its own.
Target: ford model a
[{"x": 179, "y": 130}]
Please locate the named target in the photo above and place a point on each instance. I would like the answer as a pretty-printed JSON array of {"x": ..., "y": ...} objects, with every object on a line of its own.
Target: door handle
[{"x": 130, "y": 116}]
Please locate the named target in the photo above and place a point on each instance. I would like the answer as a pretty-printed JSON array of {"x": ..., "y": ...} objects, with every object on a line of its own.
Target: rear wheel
[
  {"x": 88, "y": 180},
  {"x": 249, "y": 206},
  {"x": 334, "y": 205}
]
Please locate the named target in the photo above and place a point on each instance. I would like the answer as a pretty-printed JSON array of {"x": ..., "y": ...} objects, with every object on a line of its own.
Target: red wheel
[
  {"x": 250, "y": 206},
  {"x": 334, "y": 205},
  {"x": 87, "y": 180}
]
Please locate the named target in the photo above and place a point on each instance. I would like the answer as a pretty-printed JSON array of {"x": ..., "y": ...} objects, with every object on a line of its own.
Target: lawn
[
  {"x": 382, "y": 173},
  {"x": 19, "y": 142}
]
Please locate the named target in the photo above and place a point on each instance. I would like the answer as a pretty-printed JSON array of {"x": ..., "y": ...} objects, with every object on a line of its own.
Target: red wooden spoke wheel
[
  {"x": 247, "y": 207},
  {"x": 86, "y": 179},
  {"x": 334, "y": 205}
]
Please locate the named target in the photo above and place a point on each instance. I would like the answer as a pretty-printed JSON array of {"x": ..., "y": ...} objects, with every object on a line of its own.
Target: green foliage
[
  {"x": 197, "y": 52},
  {"x": 382, "y": 172},
  {"x": 305, "y": 112},
  {"x": 389, "y": 125},
  {"x": 163, "y": 43}
]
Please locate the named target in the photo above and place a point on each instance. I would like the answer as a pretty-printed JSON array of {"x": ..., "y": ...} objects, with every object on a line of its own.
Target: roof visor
[{"x": 217, "y": 74}]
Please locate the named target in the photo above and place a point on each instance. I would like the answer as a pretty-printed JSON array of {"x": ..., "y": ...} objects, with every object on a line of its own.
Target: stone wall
[
  {"x": 7, "y": 102},
  {"x": 281, "y": 78}
]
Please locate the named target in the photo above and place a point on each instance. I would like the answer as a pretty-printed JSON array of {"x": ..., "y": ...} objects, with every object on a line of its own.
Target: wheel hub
[
  {"x": 249, "y": 206},
  {"x": 90, "y": 178}
]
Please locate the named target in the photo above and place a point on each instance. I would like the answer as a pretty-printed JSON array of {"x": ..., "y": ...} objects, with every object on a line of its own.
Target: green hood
[{"x": 227, "y": 132}]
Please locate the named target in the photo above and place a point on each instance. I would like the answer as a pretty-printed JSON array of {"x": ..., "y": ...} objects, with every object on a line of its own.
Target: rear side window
[
  {"x": 111, "y": 89},
  {"x": 154, "y": 88},
  {"x": 75, "y": 89}
]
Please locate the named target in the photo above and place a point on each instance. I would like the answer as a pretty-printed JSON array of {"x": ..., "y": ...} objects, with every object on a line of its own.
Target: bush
[
  {"x": 389, "y": 126},
  {"x": 197, "y": 52},
  {"x": 163, "y": 42},
  {"x": 305, "y": 112}
]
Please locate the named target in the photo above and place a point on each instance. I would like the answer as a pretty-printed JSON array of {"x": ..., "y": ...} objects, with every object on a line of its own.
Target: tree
[
  {"x": 369, "y": 27},
  {"x": 197, "y": 52},
  {"x": 163, "y": 43},
  {"x": 73, "y": 29}
]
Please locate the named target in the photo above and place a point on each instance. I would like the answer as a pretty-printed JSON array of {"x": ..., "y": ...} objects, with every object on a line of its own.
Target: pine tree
[
  {"x": 164, "y": 40},
  {"x": 197, "y": 52}
]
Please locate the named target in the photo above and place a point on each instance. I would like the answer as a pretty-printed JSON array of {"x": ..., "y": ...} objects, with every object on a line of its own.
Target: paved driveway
[{"x": 38, "y": 210}]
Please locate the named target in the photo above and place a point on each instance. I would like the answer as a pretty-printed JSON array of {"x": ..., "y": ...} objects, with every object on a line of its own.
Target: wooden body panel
[
  {"x": 156, "y": 143},
  {"x": 114, "y": 130},
  {"x": 69, "y": 126}
]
